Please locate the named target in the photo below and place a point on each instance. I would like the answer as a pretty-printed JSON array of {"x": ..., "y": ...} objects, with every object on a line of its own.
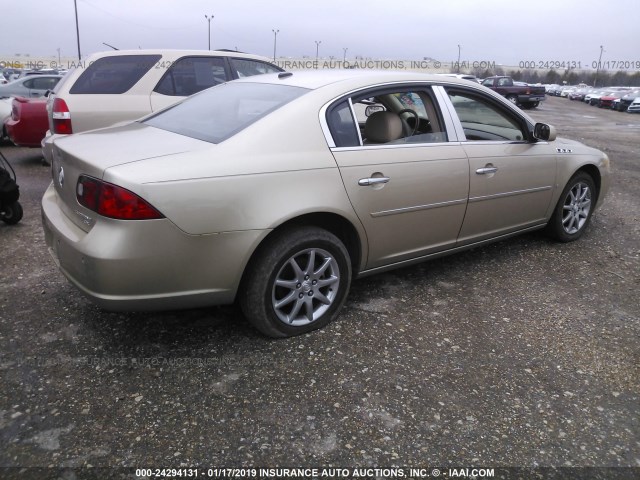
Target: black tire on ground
[
  {"x": 534, "y": 104},
  {"x": 12, "y": 213},
  {"x": 574, "y": 209},
  {"x": 297, "y": 282}
]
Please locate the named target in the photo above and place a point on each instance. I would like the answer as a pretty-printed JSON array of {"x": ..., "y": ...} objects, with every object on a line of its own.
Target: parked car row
[{"x": 621, "y": 99}]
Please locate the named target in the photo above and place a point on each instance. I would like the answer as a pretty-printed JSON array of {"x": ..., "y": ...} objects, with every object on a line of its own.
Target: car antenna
[
  {"x": 110, "y": 46},
  {"x": 284, "y": 74}
]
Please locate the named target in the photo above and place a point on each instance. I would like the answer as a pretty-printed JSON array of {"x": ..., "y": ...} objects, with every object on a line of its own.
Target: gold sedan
[{"x": 277, "y": 190}]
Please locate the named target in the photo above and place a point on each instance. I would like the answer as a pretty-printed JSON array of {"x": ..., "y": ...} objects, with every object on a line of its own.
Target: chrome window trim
[
  {"x": 355, "y": 119},
  {"x": 324, "y": 125},
  {"x": 452, "y": 124},
  {"x": 384, "y": 146}
]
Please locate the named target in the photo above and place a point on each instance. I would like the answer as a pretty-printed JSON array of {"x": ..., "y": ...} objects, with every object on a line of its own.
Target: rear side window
[
  {"x": 45, "y": 83},
  {"x": 223, "y": 111},
  {"x": 342, "y": 126},
  {"x": 113, "y": 75},
  {"x": 190, "y": 75},
  {"x": 247, "y": 68}
]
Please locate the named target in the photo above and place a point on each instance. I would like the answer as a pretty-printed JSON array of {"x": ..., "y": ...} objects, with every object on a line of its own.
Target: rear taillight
[
  {"x": 61, "y": 117},
  {"x": 113, "y": 201}
]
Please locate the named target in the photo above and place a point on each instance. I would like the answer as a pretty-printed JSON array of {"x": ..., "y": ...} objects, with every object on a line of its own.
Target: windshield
[{"x": 220, "y": 112}]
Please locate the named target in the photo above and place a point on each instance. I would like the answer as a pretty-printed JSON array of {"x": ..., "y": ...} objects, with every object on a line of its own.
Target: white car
[
  {"x": 635, "y": 106},
  {"x": 5, "y": 113},
  {"x": 111, "y": 87},
  {"x": 31, "y": 86}
]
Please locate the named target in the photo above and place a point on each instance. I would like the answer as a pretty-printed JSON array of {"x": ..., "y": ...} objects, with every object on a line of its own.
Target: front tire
[
  {"x": 297, "y": 283},
  {"x": 574, "y": 209}
]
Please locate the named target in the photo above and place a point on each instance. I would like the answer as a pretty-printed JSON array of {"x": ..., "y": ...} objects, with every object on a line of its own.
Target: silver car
[
  {"x": 31, "y": 86},
  {"x": 277, "y": 190}
]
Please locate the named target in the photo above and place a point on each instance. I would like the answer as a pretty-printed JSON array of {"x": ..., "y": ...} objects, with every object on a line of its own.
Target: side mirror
[
  {"x": 371, "y": 109},
  {"x": 542, "y": 131}
]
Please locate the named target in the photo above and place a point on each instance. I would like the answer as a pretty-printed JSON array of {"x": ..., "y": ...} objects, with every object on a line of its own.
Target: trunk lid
[{"x": 91, "y": 153}]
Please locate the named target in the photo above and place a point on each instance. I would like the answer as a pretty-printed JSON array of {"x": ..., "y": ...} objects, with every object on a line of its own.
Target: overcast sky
[{"x": 504, "y": 31}]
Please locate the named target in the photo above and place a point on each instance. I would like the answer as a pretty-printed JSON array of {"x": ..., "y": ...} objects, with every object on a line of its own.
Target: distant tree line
[{"x": 572, "y": 77}]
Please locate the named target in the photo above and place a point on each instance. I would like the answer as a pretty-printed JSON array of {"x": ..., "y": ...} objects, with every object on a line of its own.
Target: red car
[
  {"x": 607, "y": 100},
  {"x": 29, "y": 122}
]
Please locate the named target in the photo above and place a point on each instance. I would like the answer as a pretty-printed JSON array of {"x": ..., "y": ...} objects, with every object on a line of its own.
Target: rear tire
[
  {"x": 297, "y": 282},
  {"x": 12, "y": 213},
  {"x": 574, "y": 209},
  {"x": 513, "y": 99}
]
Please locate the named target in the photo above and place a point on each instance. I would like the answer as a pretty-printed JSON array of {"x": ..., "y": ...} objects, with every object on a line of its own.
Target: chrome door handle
[
  {"x": 365, "y": 182},
  {"x": 485, "y": 170}
]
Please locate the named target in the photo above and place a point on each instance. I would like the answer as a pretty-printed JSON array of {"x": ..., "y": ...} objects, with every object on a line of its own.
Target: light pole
[
  {"x": 318, "y": 42},
  {"x": 595, "y": 80},
  {"x": 59, "y": 61},
  {"x": 209, "y": 18},
  {"x": 344, "y": 57},
  {"x": 75, "y": 5},
  {"x": 275, "y": 38},
  {"x": 458, "y": 58}
]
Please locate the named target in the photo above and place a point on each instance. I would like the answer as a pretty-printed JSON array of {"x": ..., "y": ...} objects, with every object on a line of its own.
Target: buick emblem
[{"x": 61, "y": 176}]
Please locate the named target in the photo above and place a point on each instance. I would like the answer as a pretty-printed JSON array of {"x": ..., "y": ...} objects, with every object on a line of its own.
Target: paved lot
[{"x": 523, "y": 353}]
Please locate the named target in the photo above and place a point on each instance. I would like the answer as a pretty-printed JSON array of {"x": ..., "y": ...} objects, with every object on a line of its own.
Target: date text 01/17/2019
[{"x": 577, "y": 64}]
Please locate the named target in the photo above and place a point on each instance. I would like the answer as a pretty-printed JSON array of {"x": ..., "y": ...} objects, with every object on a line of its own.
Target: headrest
[{"x": 383, "y": 127}]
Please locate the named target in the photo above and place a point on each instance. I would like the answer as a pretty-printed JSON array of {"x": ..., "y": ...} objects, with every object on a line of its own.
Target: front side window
[
  {"x": 221, "y": 112},
  {"x": 113, "y": 75},
  {"x": 483, "y": 120},
  {"x": 247, "y": 68},
  {"x": 191, "y": 75}
]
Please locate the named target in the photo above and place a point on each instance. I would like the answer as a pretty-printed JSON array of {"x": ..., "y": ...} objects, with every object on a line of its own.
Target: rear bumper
[
  {"x": 21, "y": 135},
  {"x": 146, "y": 265},
  {"x": 530, "y": 98},
  {"x": 47, "y": 145}
]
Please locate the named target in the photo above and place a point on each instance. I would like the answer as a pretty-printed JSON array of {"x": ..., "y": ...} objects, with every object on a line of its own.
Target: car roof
[
  {"x": 315, "y": 79},
  {"x": 176, "y": 53}
]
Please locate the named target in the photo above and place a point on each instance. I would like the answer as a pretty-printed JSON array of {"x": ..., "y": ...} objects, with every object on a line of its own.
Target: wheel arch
[
  {"x": 332, "y": 222},
  {"x": 594, "y": 173}
]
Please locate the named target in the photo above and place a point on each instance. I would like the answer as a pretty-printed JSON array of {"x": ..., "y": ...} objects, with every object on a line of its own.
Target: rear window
[
  {"x": 220, "y": 112},
  {"x": 113, "y": 75}
]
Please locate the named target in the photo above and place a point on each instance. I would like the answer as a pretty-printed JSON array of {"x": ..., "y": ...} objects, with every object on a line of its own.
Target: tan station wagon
[
  {"x": 115, "y": 86},
  {"x": 277, "y": 190}
]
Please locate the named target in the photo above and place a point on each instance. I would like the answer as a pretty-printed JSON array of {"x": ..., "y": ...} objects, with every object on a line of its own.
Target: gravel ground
[{"x": 523, "y": 353}]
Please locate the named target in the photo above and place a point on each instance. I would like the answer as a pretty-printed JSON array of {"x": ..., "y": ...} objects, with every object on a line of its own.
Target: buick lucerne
[{"x": 277, "y": 190}]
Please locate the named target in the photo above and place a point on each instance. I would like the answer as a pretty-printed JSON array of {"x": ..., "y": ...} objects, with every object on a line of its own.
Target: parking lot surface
[{"x": 523, "y": 353}]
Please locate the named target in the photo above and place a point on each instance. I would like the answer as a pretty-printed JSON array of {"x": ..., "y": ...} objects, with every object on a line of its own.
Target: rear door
[{"x": 410, "y": 193}]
